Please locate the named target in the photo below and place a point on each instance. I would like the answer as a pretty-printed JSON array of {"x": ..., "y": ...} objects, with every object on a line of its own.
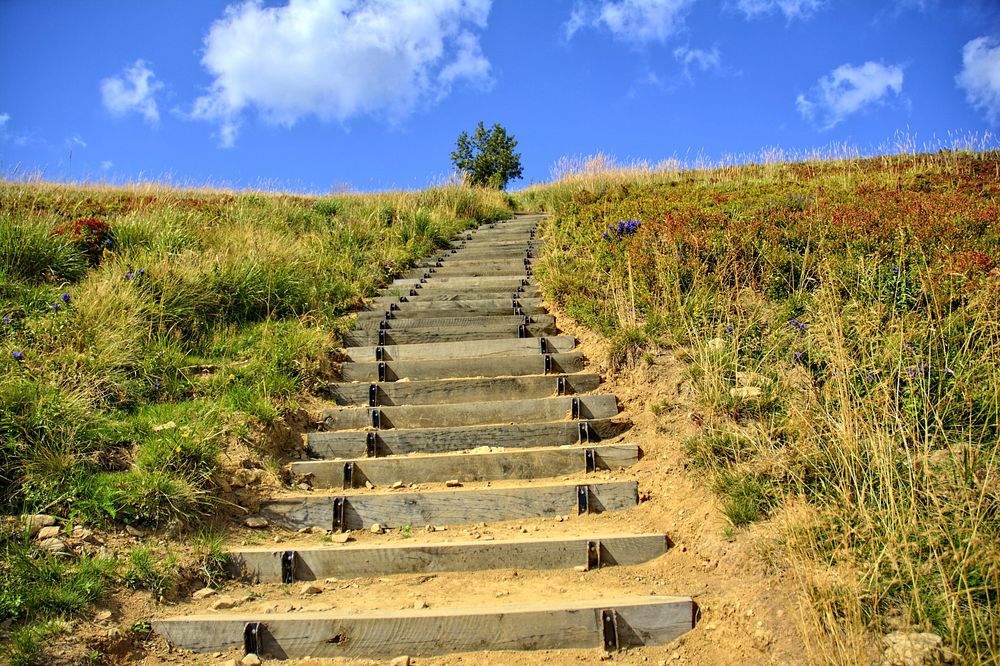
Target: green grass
[
  {"x": 148, "y": 329},
  {"x": 840, "y": 319}
]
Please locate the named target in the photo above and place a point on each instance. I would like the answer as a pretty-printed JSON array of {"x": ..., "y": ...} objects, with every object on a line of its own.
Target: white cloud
[
  {"x": 698, "y": 58},
  {"x": 337, "y": 59},
  {"x": 792, "y": 9},
  {"x": 638, "y": 21},
  {"x": 106, "y": 165},
  {"x": 4, "y": 117},
  {"x": 75, "y": 141},
  {"x": 847, "y": 90},
  {"x": 133, "y": 91},
  {"x": 980, "y": 76}
]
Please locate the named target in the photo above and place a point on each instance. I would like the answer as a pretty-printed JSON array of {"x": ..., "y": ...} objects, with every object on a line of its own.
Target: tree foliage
[{"x": 487, "y": 158}]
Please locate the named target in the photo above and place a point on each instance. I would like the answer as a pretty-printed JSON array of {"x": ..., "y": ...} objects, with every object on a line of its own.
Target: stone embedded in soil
[
  {"x": 250, "y": 660},
  {"x": 37, "y": 521},
  {"x": 134, "y": 531},
  {"x": 453, "y": 483},
  {"x": 256, "y": 522},
  {"x": 53, "y": 545},
  {"x": 311, "y": 588},
  {"x": 419, "y": 604},
  {"x": 204, "y": 593},
  {"x": 103, "y": 616},
  {"x": 224, "y": 603},
  {"x": 48, "y": 532},
  {"x": 397, "y": 484},
  {"x": 914, "y": 649},
  {"x": 343, "y": 537},
  {"x": 376, "y": 528},
  {"x": 400, "y": 661},
  {"x": 750, "y": 378}
]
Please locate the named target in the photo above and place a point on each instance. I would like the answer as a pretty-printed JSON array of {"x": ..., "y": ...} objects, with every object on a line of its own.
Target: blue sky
[{"x": 327, "y": 95}]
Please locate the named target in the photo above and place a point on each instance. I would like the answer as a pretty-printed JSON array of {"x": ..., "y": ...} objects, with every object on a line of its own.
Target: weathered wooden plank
[
  {"x": 459, "y": 309},
  {"x": 538, "y": 410},
  {"x": 316, "y": 563},
  {"x": 446, "y": 507},
  {"x": 466, "y": 272},
  {"x": 466, "y": 467},
  {"x": 410, "y": 337},
  {"x": 641, "y": 621},
  {"x": 462, "y": 282},
  {"x": 431, "y": 290},
  {"x": 428, "y": 324},
  {"x": 510, "y": 365},
  {"x": 468, "y": 304},
  {"x": 355, "y": 444},
  {"x": 456, "y": 350},
  {"x": 437, "y": 391},
  {"x": 446, "y": 295}
]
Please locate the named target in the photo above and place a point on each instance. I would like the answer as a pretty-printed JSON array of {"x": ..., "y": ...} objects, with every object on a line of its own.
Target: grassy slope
[
  {"x": 840, "y": 322},
  {"x": 210, "y": 313}
]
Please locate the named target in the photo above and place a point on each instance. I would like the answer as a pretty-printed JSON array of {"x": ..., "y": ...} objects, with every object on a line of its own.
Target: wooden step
[
  {"x": 446, "y": 295},
  {"x": 506, "y": 303},
  {"x": 430, "y": 289},
  {"x": 458, "y": 350},
  {"x": 467, "y": 467},
  {"x": 438, "y": 391},
  {"x": 538, "y": 410},
  {"x": 405, "y": 337},
  {"x": 508, "y": 365},
  {"x": 467, "y": 272},
  {"x": 374, "y": 443},
  {"x": 448, "y": 507},
  {"x": 429, "y": 324},
  {"x": 462, "y": 282},
  {"x": 264, "y": 565},
  {"x": 458, "y": 309},
  {"x": 610, "y": 624}
]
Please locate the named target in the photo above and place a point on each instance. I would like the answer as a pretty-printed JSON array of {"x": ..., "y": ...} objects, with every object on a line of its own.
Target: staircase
[{"x": 459, "y": 405}]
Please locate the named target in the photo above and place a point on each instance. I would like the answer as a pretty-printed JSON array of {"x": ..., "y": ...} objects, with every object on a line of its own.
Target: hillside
[{"x": 808, "y": 353}]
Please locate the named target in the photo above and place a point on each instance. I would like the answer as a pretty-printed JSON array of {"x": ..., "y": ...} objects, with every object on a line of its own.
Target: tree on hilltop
[{"x": 487, "y": 158}]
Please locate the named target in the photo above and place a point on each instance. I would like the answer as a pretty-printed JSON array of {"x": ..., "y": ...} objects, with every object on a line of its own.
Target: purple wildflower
[
  {"x": 729, "y": 329},
  {"x": 66, "y": 298},
  {"x": 797, "y": 358},
  {"x": 130, "y": 276},
  {"x": 56, "y": 306},
  {"x": 798, "y": 325},
  {"x": 18, "y": 356},
  {"x": 894, "y": 269},
  {"x": 6, "y": 320},
  {"x": 140, "y": 272}
]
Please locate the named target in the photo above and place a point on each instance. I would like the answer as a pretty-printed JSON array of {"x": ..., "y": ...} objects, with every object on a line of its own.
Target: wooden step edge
[
  {"x": 458, "y": 506},
  {"x": 306, "y": 562},
  {"x": 608, "y": 624},
  {"x": 456, "y": 351},
  {"x": 538, "y": 463}
]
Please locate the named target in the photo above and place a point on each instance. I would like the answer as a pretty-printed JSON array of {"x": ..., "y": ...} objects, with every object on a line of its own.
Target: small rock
[
  {"x": 400, "y": 661},
  {"x": 103, "y": 616},
  {"x": 746, "y": 392},
  {"x": 256, "y": 522},
  {"x": 203, "y": 593},
  {"x": 53, "y": 545},
  {"x": 223, "y": 603},
  {"x": 419, "y": 604},
  {"x": 113, "y": 633},
  {"x": 229, "y": 662},
  {"x": 134, "y": 531},
  {"x": 310, "y": 588},
  {"x": 914, "y": 649},
  {"x": 580, "y": 567},
  {"x": 250, "y": 660},
  {"x": 376, "y": 528},
  {"x": 48, "y": 532},
  {"x": 750, "y": 379},
  {"x": 559, "y": 519},
  {"x": 331, "y": 580},
  {"x": 398, "y": 484},
  {"x": 317, "y": 530},
  {"x": 304, "y": 487},
  {"x": 277, "y": 539},
  {"x": 453, "y": 483},
  {"x": 369, "y": 485},
  {"x": 342, "y": 537},
  {"x": 33, "y": 523}
]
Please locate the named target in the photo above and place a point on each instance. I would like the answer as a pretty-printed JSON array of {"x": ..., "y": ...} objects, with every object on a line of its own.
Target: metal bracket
[
  {"x": 524, "y": 282},
  {"x": 583, "y": 433},
  {"x": 348, "y": 475},
  {"x": 253, "y": 637},
  {"x": 548, "y": 363},
  {"x": 371, "y": 444},
  {"x": 402, "y": 299},
  {"x": 288, "y": 567},
  {"x": 543, "y": 344},
  {"x": 522, "y": 331},
  {"x": 381, "y": 337},
  {"x": 593, "y": 555},
  {"x": 518, "y": 312},
  {"x": 376, "y": 418},
  {"x": 516, "y": 303},
  {"x": 338, "y": 514},
  {"x": 388, "y": 314},
  {"x": 380, "y": 353},
  {"x": 575, "y": 409},
  {"x": 429, "y": 271},
  {"x": 561, "y": 385},
  {"x": 582, "y": 500},
  {"x": 381, "y": 371},
  {"x": 373, "y": 395},
  {"x": 609, "y": 629},
  {"x": 393, "y": 307},
  {"x": 589, "y": 461},
  {"x": 527, "y": 262},
  {"x": 413, "y": 292},
  {"x": 382, "y": 324}
]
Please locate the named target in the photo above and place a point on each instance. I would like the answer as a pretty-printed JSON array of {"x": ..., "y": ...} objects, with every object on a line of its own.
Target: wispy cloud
[
  {"x": 4, "y": 117},
  {"x": 980, "y": 76},
  {"x": 632, "y": 21},
  {"x": 849, "y": 89},
  {"x": 791, "y": 9},
  {"x": 698, "y": 59},
  {"x": 132, "y": 91},
  {"x": 338, "y": 59}
]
